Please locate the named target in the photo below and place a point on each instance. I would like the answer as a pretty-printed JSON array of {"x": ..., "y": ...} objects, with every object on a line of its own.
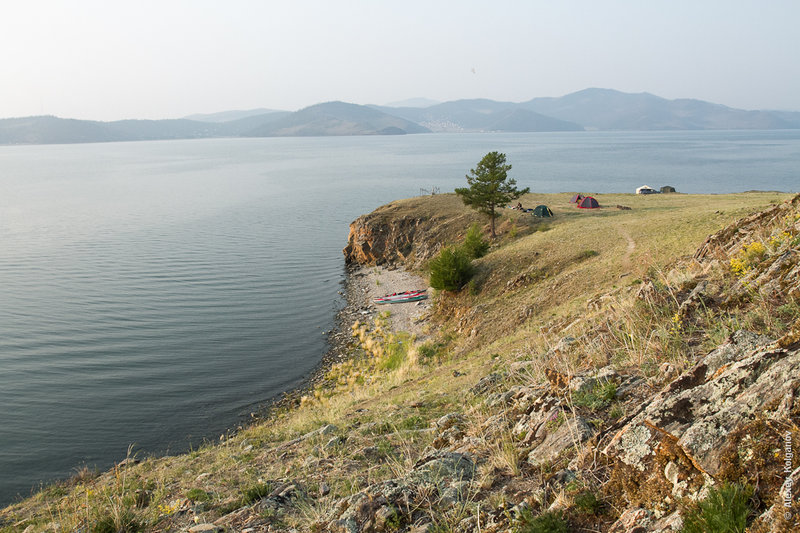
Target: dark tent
[
  {"x": 576, "y": 199},
  {"x": 542, "y": 211},
  {"x": 588, "y": 203},
  {"x": 667, "y": 189}
]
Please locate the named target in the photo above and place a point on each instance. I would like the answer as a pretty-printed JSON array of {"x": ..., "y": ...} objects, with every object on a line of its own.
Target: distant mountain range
[{"x": 590, "y": 109}]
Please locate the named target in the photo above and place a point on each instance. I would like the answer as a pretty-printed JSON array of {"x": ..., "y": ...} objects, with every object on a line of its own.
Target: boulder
[
  {"x": 693, "y": 415},
  {"x": 572, "y": 433},
  {"x": 442, "y": 478}
]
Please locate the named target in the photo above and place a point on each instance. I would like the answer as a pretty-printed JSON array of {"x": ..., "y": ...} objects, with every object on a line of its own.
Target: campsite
[{"x": 594, "y": 261}]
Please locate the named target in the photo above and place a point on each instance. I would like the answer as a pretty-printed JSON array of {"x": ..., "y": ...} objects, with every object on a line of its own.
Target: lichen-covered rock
[
  {"x": 573, "y": 432},
  {"x": 374, "y": 240},
  {"x": 698, "y": 410},
  {"x": 450, "y": 429},
  {"x": 724, "y": 242},
  {"x": 487, "y": 383},
  {"x": 637, "y": 520},
  {"x": 440, "y": 479}
]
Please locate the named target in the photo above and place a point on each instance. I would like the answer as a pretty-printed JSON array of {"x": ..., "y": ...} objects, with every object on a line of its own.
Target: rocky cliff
[
  {"x": 375, "y": 240},
  {"x": 407, "y": 232}
]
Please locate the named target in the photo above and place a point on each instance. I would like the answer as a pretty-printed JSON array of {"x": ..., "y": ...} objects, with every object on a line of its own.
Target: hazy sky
[{"x": 114, "y": 59}]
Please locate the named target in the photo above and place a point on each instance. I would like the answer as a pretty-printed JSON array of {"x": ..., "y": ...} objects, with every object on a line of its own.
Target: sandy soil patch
[{"x": 366, "y": 283}]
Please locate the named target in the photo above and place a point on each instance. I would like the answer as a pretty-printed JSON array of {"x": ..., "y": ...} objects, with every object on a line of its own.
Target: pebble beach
[{"x": 363, "y": 283}]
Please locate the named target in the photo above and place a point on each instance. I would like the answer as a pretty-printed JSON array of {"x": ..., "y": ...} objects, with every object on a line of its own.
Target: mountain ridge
[{"x": 588, "y": 109}]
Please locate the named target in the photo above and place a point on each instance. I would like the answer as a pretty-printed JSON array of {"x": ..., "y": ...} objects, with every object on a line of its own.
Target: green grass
[
  {"x": 198, "y": 495},
  {"x": 256, "y": 492},
  {"x": 587, "y": 503},
  {"x": 547, "y": 522},
  {"x": 598, "y": 397},
  {"x": 725, "y": 510}
]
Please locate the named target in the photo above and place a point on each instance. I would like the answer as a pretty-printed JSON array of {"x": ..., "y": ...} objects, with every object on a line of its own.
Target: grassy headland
[{"x": 553, "y": 297}]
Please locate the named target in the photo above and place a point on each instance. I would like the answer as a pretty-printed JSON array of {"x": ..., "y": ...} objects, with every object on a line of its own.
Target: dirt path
[{"x": 627, "y": 264}]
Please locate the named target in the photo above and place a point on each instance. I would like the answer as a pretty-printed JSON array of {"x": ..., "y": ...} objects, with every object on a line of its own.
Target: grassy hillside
[{"x": 377, "y": 416}]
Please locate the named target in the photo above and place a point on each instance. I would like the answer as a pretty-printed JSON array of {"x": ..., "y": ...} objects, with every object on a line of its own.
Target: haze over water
[{"x": 156, "y": 293}]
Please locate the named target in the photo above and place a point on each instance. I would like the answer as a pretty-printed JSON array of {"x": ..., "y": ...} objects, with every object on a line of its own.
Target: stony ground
[{"x": 367, "y": 283}]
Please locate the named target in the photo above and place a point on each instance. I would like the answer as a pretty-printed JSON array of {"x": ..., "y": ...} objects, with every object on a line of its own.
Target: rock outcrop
[
  {"x": 408, "y": 232},
  {"x": 438, "y": 480},
  {"x": 724, "y": 242},
  {"x": 374, "y": 240}
]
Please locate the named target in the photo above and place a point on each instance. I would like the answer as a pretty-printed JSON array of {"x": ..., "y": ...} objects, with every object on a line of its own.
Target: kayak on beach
[{"x": 400, "y": 297}]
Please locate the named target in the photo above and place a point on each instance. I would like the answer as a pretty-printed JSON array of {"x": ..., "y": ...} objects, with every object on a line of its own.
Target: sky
[{"x": 119, "y": 59}]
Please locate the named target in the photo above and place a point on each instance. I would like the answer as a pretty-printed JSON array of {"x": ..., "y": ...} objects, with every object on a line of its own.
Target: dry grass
[{"x": 532, "y": 289}]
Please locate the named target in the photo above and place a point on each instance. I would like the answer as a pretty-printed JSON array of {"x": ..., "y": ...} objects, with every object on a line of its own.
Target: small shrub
[
  {"x": 587, "y": 503},
  {"x": 616, "y": 412},
  {"x": 451, "y": 269},
  {"x": 385, "y": 448},
  {"x": 725, "y": 510},
  {"x": 428, "y": 351},
  {"x": 198, "y": 495},
  {"x": 256, "y": 492},
  {"x": 474, "y": 244},
  {"x": 473, "y": 288},
  {"x": 789, "y": 311},
  {"x": 547, "y": 522},
  {"x": 117, "y": 521},
  {"x": 586, "y": 254},
  {"x": 599, "y": 397}
]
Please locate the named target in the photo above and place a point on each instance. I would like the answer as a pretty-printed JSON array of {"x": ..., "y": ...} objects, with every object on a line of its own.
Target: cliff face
[
  {"x": 373, "y": 241},
  {"x": 407, "y": 232}
]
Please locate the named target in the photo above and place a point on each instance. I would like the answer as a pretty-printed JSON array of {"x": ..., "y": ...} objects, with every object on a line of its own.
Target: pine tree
[{"x": 489, "y": 186}]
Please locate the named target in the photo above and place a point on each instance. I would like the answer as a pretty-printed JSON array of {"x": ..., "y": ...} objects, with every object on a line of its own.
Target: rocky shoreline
[{"x": 360, "y": 286}]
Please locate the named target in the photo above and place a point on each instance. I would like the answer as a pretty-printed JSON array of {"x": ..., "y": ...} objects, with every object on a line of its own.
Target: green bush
[
  {"x": 547, "y": 522},
  {"x": 120, "y": 522},
  {"x": 725, "y": 510},
  {"x": 451, "y": 269},
  {"x": 198, "y": 495},
  {"x": 474, "y": 244},
  {"x": 256, "y": 492},
  {"x": 428, "y": 351},
  {"x": 587, "y": 503},
  {"x": 599, "y": 397}
]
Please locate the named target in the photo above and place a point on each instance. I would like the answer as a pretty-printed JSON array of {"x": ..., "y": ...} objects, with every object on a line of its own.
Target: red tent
[
  {"x": 576, "y": 199},
  {"x": 588, "y": 203}
]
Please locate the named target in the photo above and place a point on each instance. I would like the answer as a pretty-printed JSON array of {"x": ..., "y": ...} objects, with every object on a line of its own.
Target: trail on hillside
[{"x": 626, "y": 260}]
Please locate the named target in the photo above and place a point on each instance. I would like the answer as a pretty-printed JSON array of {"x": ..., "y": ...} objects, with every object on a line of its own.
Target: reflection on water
[{"x": 156, "y": 292}]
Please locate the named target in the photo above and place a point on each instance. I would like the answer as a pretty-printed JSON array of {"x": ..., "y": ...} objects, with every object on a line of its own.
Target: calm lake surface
[{"x": 156, "y": 293}]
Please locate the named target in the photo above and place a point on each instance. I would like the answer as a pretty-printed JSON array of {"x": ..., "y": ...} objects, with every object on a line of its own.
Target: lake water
[{"x": 156, "y": 293}]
